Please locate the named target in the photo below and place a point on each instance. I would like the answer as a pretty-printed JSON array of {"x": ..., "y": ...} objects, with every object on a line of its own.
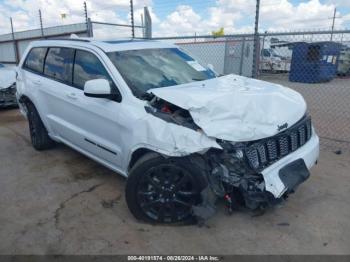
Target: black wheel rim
[{"x": 166, "y": 193}]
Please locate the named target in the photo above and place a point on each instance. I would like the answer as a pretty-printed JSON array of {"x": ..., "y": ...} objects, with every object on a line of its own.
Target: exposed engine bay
[{"x": 171, "y": 113}]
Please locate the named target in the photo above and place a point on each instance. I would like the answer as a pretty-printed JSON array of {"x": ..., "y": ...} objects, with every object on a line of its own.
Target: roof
[{"x": 110, "y": 45}]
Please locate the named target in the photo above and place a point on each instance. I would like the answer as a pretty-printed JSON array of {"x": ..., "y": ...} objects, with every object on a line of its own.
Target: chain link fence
[{"x": 316, "y": 64}]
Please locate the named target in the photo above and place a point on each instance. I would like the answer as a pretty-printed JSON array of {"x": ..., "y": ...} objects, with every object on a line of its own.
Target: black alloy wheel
[{"x": 164, "y": 192}]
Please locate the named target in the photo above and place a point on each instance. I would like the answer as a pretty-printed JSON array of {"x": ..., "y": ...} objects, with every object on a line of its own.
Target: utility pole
[
  {"x": 132, "y": 18},
  {"x": 335, "y": 12},
  {"x": 41, "y": 24},
  {"x": 256, "y": 40}
]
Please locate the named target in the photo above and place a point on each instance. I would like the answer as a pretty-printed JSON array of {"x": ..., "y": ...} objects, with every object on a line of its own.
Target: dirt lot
[{"x": 59, "y": 201}]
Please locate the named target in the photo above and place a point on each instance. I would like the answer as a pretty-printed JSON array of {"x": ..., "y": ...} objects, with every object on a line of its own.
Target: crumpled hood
[
  {"x": 237, "y": 108},
  {"x": 7, "y": 77}
]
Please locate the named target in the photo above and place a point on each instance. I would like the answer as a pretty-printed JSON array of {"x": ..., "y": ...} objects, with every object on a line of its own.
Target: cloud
[
  {"x": 185, "y": 21},
  {"x": 233, "y": 15},
  {"x": 182, "y": 21},
  {"x": 283, "y": 15},
  {"x": 340, "y": 3}
]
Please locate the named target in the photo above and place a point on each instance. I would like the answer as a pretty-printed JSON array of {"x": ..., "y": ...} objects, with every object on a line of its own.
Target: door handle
[
  {"x": 18, "y": 76},
  {"x": 37, "y": 82},
  {"x": 72, "y": 96}
]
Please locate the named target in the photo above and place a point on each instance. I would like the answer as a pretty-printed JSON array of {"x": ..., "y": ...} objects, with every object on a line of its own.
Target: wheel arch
[
  {"x": 23, "y": 102},
  {"x": 137, "y": 154},
  {"x": 25, "y": 99}
]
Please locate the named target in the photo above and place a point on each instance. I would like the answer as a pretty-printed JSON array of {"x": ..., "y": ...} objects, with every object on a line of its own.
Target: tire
[
  {"x": 38, "y": 133},
  {"x": 164, "y": 190}
]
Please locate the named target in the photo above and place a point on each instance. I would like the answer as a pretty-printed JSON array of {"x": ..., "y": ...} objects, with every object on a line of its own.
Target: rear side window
[
  {"x": 88, "y": 67},
  {"x": 59, "y": 64},
  {"x": 35, "y": 59}
]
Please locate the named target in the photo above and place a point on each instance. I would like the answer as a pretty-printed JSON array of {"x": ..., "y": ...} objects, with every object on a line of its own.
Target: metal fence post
[
  {"x": 14, "y": 43},
  {"x": 132, "y": 19},
  {"x": 242, "y": 56},
  {"x": 256, "y": 41},
  {"x": 41, "y": 24},
  {"x": 90, "y": 31},
  {"x": 226, "y": 58},
  {"x": 148, "y": 23}
]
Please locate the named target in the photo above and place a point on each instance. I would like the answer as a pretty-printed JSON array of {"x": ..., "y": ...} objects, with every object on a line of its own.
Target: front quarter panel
[{"x": 165, "y": 138}]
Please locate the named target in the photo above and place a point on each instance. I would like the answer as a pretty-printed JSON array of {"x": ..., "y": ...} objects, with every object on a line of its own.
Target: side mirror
[
  {"x": 99, "y": 88},
  {"x": 211, "y": 67}
]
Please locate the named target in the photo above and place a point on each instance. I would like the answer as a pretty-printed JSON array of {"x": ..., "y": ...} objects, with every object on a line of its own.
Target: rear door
[
  {"x": 54, "y": 87},
  {"x": 30, "y": 79}
]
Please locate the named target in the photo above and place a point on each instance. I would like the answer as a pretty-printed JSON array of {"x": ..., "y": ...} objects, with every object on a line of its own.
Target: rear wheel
[
  {"x": 163, "y": 190},
  {"x": 38, "y": 133}
]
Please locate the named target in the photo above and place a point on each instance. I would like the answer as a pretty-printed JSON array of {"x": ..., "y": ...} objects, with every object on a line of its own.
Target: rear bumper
[{"x": 309, "y": 153}]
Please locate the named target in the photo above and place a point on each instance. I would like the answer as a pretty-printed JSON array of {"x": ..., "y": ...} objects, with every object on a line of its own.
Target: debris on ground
[
  {"x": 110, "y": 203},
  {"x": 338, "y": 152},
  {"x": 283, "y": 224}
]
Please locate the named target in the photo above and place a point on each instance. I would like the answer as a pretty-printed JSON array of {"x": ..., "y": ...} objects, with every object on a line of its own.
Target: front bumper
[
  {"x": 8, "y": 96},
  {"x": 308, "y": 152}
]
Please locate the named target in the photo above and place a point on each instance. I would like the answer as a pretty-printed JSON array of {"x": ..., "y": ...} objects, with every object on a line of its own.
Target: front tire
[
  {"x": 164, "y": 190},
  {"x": 38, "y": 133}
]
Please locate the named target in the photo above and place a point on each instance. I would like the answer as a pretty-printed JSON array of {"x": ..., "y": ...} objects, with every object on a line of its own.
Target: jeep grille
[{"x": 267, "y": 151}]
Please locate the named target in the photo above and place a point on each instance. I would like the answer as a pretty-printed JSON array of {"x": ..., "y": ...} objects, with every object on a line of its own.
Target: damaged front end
[
  {"x": 233, "y": 179},
  {"x": 238, "y": 172},
  {"x": 8, "y": 96}
]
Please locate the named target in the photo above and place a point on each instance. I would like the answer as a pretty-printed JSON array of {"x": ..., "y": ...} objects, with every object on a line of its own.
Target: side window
[
  {"x": 266, "y": 53},
  {"x": 35, "y": 59},
  {"x": 59, "y": 64},
  {"x": 88, "y": 67}
]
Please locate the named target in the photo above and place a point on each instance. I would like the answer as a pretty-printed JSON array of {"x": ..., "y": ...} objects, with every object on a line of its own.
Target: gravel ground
[{"x": 60, "y": 202}]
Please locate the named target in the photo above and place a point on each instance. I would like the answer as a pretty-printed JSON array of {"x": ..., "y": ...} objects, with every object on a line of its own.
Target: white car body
[
  {"x": 231, "y": 108},
  {"x": 7, "y": 76}
]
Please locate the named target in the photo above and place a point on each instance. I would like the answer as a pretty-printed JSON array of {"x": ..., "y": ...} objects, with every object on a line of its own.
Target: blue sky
[
  {"x": 163, "y": 8},
  {"x": 183, "y": 16}
]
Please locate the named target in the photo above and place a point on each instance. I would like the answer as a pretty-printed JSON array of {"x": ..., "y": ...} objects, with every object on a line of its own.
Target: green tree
[{"x": 218, "y": 33}]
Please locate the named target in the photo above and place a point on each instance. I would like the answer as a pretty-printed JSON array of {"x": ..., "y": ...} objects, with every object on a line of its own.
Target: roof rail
[{"x": 70, "y": 39}]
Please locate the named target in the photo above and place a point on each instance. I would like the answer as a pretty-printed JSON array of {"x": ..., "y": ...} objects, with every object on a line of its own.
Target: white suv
[{"x": 183, "y": 136}]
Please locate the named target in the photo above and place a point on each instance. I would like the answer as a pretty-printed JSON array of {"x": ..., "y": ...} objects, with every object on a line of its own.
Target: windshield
[{"x": 154, "y": 68}]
